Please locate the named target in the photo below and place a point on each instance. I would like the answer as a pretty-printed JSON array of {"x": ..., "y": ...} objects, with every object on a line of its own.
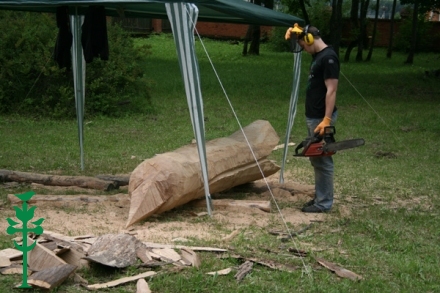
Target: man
[{"x": 321, "y": 110}]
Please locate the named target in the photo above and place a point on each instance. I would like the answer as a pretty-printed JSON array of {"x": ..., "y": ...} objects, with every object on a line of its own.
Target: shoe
[
  {"x": 309, "y": 203},
  {"x": 312, "y": 209}
]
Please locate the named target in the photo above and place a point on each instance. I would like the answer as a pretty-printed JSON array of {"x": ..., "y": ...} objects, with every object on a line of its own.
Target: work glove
[
  {"x": 321, "y": 126},
  {"x": 288, "y": 32},
  {"x": 295, "y": 29}
]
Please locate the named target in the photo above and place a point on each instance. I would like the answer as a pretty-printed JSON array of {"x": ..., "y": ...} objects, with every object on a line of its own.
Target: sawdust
[{"x": 80, "y": 218}]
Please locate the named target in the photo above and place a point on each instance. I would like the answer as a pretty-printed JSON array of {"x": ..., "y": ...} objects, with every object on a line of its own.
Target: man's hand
[{"x": 321, "y": 126}]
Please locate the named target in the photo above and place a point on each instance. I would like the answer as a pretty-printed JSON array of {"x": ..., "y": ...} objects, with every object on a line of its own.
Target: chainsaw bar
[{"x": 343, "y": 145}]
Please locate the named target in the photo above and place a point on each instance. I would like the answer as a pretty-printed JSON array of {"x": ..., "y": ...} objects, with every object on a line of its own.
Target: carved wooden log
[
  {"x": 81, "y": 181},
  {"x": 172, "y": 179}
]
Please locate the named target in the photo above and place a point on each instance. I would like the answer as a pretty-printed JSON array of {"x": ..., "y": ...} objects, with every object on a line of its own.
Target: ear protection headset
[{"x": 309, "y": 36}]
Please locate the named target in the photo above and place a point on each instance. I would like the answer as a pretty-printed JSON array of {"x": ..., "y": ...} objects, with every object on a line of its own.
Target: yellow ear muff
[{"x": 308, "y": 37}]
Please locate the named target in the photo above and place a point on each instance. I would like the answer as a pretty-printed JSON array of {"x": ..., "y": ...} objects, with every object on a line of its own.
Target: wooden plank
[
  {"x": 142, "y": 253},
  {"x": 74, "y": 257},
  {"x": 40, "y": 258},
  {"x": 51, "y": 277},
  {"x": 142, "y": 286},
  {"x": 120, "y": 281},
  {"x": 190, "y": 256},
  {"x": 195, "y": 248},
  {"x": 14, "y": 269},
  {"x": 63, "y": 240},
  {"x": 167, "y": 254},
  {"x": 11, "y": 253},
  {"x": 4, "y": 261}
]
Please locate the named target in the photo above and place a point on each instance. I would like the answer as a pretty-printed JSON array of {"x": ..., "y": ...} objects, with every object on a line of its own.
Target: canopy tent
[{"x": 183, "y": 17}]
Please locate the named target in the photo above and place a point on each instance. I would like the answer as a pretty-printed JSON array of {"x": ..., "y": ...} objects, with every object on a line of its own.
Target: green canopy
[
  {"x": 227, "y": 11},
  {"x": 183, "y": 17}
]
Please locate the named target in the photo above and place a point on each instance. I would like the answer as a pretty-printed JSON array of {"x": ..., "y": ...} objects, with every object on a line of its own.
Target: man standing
[{"x": 321, "y": 111}]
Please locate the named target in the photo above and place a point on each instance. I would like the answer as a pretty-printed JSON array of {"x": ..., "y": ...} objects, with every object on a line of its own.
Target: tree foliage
[{"x": 31, "y": 83}]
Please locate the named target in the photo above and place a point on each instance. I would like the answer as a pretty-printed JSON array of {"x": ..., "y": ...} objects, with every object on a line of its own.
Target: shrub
[{"x": 32, "y": 84}]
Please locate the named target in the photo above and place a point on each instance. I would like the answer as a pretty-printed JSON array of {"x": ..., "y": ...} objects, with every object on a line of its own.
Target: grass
[{"x": 391, "y": 184}]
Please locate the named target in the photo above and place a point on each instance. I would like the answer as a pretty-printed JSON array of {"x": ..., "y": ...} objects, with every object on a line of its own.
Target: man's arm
[
  {"x": 330, "y": 97},
  {"x": 330, "y": 101}
]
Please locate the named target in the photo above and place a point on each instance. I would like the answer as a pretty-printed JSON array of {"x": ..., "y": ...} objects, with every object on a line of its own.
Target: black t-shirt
[{"x": 325, "y": 65}]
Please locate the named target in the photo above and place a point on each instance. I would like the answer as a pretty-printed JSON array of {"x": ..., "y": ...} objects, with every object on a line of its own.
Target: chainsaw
[{"x": 325, "y": 145}]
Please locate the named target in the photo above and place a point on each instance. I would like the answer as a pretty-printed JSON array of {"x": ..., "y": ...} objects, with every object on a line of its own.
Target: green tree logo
[{"x": 25, "y": 215}]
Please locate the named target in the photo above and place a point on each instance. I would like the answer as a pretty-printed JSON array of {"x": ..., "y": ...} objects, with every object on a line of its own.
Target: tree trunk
[
  {"x": 363, "y": 29},
  {"x": 304, "y": 11},
  {"x": 373, "y": 37},
  {"x": 354, "y": 21},
  {"x": 415, "y": 20},
  {"x": 336, "y": 25},
  {"x": 390, "y": 42},
  {"x": 253, "y": 33}
]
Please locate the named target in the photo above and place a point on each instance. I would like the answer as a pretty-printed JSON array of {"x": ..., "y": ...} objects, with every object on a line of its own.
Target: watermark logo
[{"x": 25, "y": 215}]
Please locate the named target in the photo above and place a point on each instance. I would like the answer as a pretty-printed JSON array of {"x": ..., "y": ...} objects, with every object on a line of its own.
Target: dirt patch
[{"x": 79, "y": 218}]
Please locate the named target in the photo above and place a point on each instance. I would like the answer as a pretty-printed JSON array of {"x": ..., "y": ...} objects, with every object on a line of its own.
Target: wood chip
[
  {"x": 221, "y": 272},
  {"x": 243, "y": 270},
  {"x": 120, "y": 281},
  {"x": 340, "y": 271},
  {"x": 15, "y": 269},
  {"x": 11, "y": 253},
  {"x": 167, "y": 254},
  {"x": 51, "y": 277},
  {"x": 191, "y": 257},
  {"x": 142, "y": 286},
  {"x": 4, "y": 261}
]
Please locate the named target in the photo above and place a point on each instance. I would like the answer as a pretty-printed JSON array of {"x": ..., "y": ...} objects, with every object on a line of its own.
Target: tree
[
  {"x": 363, "y": 29},
  {"x": 253, "y": 33},
  {"x": 354, "y": 21},
  {"x": 373, "y": 37},
  {"x": 336, "y": 25},
  {"x": 390, "y": 42},
  {"x": 415, "y": 21}
]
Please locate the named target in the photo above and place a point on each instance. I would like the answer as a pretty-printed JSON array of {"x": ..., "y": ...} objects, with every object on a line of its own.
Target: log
[
  {"x": 51, "y": 277},
  {"x": 172, "y": 179},
  {"x": 15, "y": 269},
  {"x": 57, "y": 180},
  {"x": 263, "y": 205},
  {"x": 48, "y": 198},
  {"x": 120, "y": 180}
]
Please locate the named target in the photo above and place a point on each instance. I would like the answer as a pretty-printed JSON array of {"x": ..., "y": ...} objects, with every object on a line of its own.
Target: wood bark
[
  {"x": 172, "y": 179},
  {"x": 115, "y": 250},
  {"x": 81, "y": 181},
  {"x": 51, "y": 277}
]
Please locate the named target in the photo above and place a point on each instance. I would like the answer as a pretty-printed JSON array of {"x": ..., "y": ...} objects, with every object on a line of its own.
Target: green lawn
[{"x": 391, "y": 185}]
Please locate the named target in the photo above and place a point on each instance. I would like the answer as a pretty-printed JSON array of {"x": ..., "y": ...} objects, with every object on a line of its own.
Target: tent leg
[{"x": 79, "y": 70}]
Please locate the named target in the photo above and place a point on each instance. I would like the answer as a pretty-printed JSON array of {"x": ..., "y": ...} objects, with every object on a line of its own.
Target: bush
[
  {"x": 32, "y": 84},
  {"x": 403, "y": 38}
]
